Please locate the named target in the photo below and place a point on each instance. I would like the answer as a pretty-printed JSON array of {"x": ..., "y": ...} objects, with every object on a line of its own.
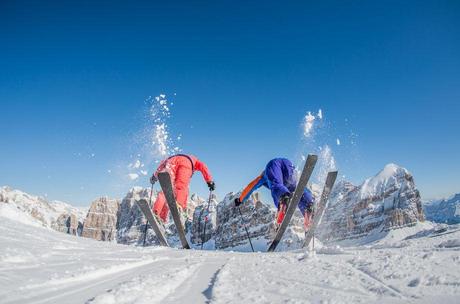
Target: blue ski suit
[{"x": 279, "y": 177}]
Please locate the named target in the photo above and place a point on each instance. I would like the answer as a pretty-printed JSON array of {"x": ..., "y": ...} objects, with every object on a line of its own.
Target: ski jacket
[
  {"x": 181, "y": 160},
  {"x": 278, "y": 176}
]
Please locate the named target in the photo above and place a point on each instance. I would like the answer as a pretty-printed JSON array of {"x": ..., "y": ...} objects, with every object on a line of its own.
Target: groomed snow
[{"x": 38, "y": 265}]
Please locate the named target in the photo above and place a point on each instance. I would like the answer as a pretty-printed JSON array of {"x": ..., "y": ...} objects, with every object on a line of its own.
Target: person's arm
[
  {"x": 253, "y": 186},
  {"x": 200, "y": 166}
]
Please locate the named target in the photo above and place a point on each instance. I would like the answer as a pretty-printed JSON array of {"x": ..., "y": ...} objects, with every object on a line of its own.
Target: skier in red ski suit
[{"x": 181, "y": 168}]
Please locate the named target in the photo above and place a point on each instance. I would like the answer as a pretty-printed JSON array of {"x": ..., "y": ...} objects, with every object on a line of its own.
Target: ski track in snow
[{"x": 39, "y": 265}]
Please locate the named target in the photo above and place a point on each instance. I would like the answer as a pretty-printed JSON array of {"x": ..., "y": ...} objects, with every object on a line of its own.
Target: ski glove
[
  {"x": 237, "y": 202},
  {"x": 285, "y": 198},
  {"x": 212, "y": 186},
  {"x": 153, "y": 179}
]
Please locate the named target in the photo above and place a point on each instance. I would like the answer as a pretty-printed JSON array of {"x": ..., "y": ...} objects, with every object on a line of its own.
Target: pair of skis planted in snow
[
  {"x": 166, "y": 186},
  {"x": 298, "y": 192}
]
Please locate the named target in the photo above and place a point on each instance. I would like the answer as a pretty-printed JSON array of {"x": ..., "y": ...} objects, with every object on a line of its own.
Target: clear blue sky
[{"x": 74, "y": 76}]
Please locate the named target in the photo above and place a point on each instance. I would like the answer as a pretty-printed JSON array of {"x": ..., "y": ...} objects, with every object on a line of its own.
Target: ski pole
[
  {"x": 146, "y": 224},
  {"x": 203, "y": 236},
  {"x": 245, "y": 228}
]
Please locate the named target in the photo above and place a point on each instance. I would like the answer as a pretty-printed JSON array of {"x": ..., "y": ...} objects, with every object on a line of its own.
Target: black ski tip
[
  {"x": 164, "y": 174},
  {"x": 312, "y": 156},
  {"x": 332, "y": 175}
]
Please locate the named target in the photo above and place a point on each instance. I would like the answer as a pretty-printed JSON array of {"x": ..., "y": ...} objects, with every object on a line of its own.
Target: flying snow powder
[
  {"x": 326, "y": 163},
  {"x": 133, "y": 176},
  {"x": 308, "y": 124},
  {"x": 160, "y": 139}
]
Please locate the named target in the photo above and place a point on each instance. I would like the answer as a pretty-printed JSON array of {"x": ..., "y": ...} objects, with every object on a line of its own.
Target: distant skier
[
  {"x": 181, "y": 168},
  {"x": 279, "y": 177}
]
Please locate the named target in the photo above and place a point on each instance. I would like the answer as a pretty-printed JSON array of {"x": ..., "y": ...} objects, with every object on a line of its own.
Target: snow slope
[{"x": 39, "y": 265}]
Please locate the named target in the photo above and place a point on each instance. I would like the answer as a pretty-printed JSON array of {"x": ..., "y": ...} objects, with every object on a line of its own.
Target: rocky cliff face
[
  {"x": 131, "y": 222},
  {"x": 101, "y": 221},
  {"x": 230, "y": 231},
  {"x": 68, "y": 223},
  {"x": 204, "y": 220},
  {"x": 56, "y": 215},
  {"x": 386, "y": 201},
  {"x": 444, "y": 211}
]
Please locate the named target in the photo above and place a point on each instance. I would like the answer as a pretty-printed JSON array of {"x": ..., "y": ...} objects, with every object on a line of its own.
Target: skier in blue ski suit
[{"x": 279, "y": 177}]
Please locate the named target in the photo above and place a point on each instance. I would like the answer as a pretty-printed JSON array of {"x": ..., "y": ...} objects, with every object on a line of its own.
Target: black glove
[
  {"x": 285, "y": 198},
  {"x": 212, "y": 186},
  {"x": 153, "y": 179},
  {"x": 310, "y": 208},
  {"x": 237, "y": 202}
]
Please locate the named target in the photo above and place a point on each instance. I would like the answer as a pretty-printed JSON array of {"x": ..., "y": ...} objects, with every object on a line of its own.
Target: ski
[
  {"x": 319, "y": 210},
  {"x": 166, "y": 185},
  {"x": 292, "y": 205},
  {"x": 145, "y": 208}
]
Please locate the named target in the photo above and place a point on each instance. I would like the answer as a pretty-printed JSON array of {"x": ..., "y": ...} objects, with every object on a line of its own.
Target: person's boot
[
  {"x": 308, "y": 218},
  {"x": 282, "y": 207}
]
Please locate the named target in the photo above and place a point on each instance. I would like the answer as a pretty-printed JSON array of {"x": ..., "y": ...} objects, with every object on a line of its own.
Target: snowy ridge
[
  {"x": 388, "y": 177},
  {"x": 35, "y": 210},
  {"x": 387, "y": 201},
  {"x": 355, "y": 215},
  {"x": 444, "y": 211}
]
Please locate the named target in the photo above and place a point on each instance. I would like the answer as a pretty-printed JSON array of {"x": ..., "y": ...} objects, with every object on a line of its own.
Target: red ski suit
[{"x": 181, "y": 168}]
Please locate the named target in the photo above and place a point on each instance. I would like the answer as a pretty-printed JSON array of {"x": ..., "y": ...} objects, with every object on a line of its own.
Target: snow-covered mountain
[
  {"x": 444, "y": 211},
  {"x": 389, "y": 200},
  {"x": 35, "y": 210}
]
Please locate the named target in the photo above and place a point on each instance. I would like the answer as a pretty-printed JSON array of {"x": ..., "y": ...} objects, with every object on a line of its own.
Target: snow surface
[{"x": 39, "y": 265}]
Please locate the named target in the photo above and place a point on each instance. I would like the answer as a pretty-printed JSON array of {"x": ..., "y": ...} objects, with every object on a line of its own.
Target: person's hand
[
  {"x": 237, "y": 202},
  {"x": 285, "y": 198},
  {"x": 153, "y": 179},
  {"x": 211, "y": 186}
]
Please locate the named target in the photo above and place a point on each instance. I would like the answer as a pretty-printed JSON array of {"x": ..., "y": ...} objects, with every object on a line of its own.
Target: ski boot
[
  {"x": 308, "y": 217},
  {"x": 282, "y": 207}
]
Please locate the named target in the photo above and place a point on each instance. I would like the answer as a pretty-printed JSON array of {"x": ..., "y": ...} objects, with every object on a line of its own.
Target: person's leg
[
  {"x": 306, "y": 202},
  {"x": 181, "y": 184},
  {"x": 274, "y": 176},
  {"x": 306, "y": 207},
  {"x": 160, "y": 207}
]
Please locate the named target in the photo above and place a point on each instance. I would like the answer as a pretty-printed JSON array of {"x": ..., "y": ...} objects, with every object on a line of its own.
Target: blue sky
[{"x": 74, "y": 78}]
